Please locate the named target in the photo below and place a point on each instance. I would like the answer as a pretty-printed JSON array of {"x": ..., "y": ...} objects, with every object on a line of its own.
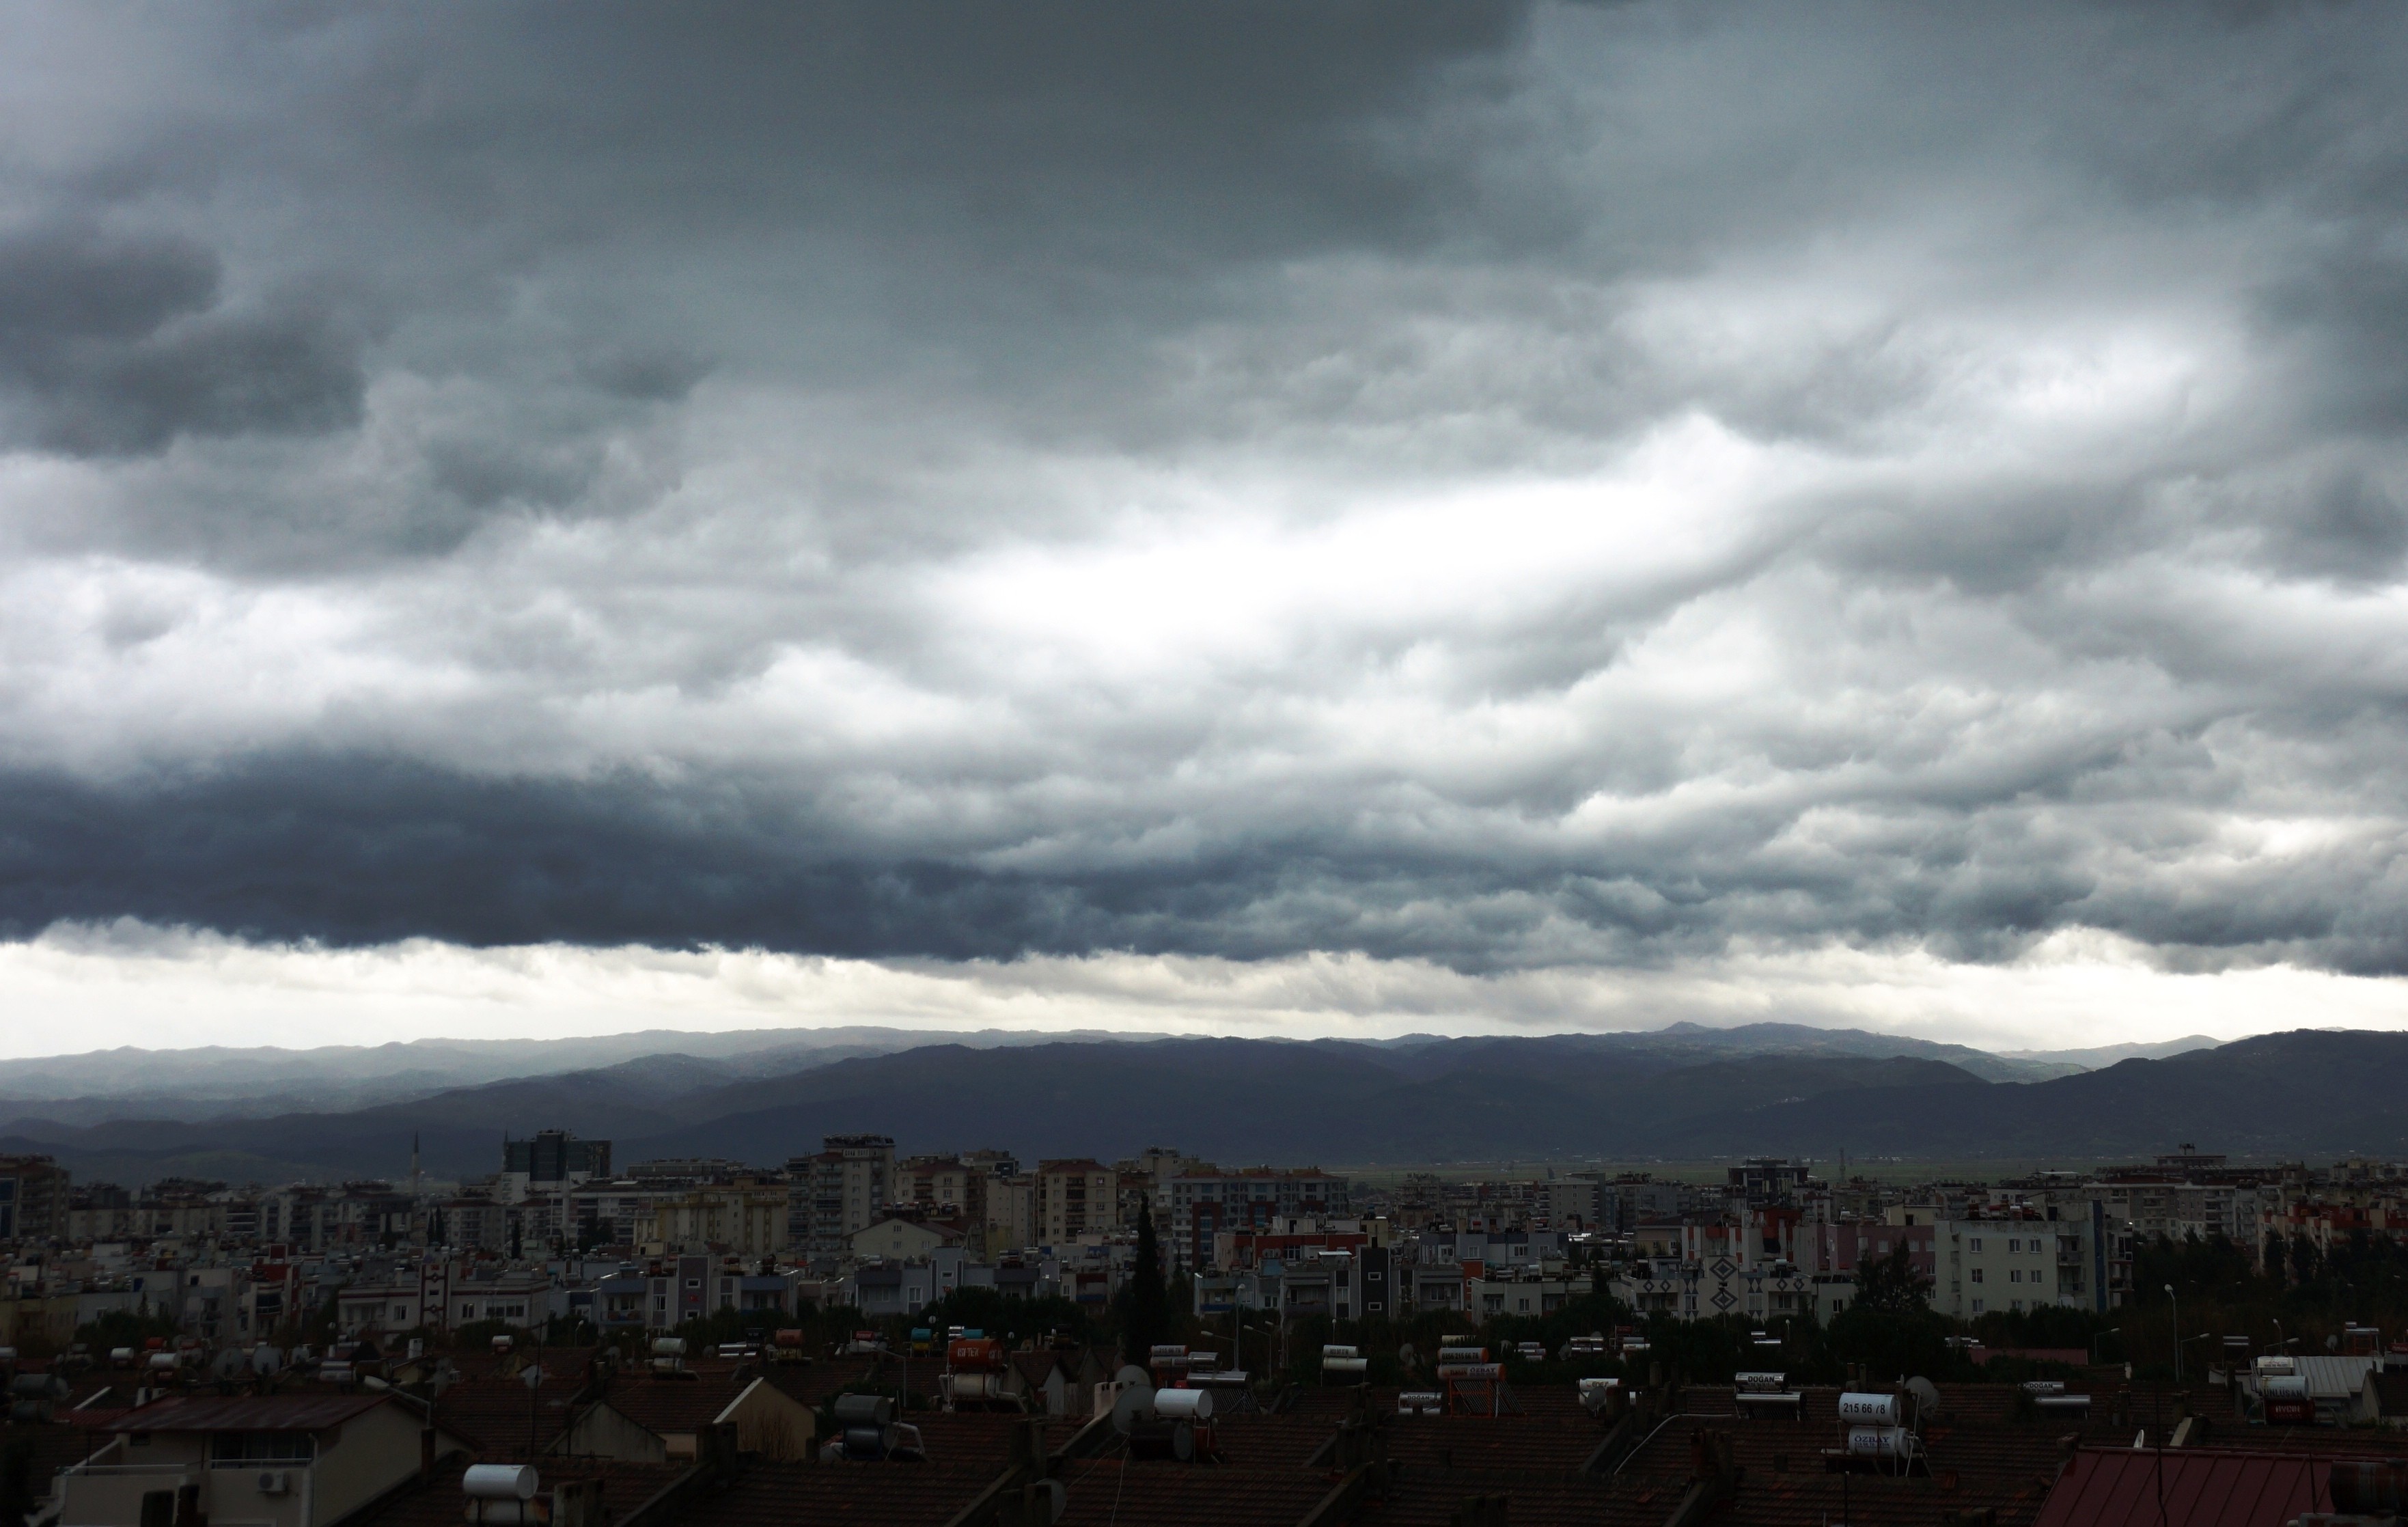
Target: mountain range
[{"x": 1685, "y": 1093}]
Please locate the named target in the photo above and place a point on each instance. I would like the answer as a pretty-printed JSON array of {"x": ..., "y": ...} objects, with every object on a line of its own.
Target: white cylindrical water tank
[
  {"x": 1183, "y": 1404},
  {"x": 1328, "y": 1351},
  {"x": 1880, "y": 1441},
  {"x": 1869, "y": 1409},
  {"x": 499, "y": 1482},
  {"x": 1345, "y": 1366},
  {"x": 669, "y": 1347}
]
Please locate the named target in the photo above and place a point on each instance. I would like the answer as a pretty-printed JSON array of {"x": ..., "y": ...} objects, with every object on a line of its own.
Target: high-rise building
[
  {"x": 837, "y": 1192},
  {"x": 553, "y": 1156},
  {"x": 33, "y": 1198}
]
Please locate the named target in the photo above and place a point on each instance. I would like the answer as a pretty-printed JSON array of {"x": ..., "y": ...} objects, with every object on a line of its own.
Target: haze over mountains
[{"x": 1685, "y": 1093}]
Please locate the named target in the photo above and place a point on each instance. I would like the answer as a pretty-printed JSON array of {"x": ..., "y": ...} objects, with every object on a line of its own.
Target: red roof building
[{"x": 2137, "y": 1487}]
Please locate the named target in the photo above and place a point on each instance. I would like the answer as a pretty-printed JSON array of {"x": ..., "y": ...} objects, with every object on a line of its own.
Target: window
[
  {"x": 2014, "y": 1275},
  {"x": 2013, "y": 1247},
  {"x": 1974, "y": 1244},
  {"x": 1977, "y": 1274},
  {"x": 2015, "y": 1304},
  {"x": 260, "y": 1447},
  {"x": 1977, "y": 1307}
]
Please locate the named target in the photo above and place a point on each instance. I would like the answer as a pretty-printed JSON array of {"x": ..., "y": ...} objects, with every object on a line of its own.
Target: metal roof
[
  {"x": 2335, "y": 1378},
  {"x": 246, "y": 1413},
  {"x": 2112, "y": 1487}
]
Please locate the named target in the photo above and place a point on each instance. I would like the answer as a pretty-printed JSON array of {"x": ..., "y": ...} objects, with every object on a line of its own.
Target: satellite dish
[
  {"x": 1131, "y": 1405},
  {"x": 229, "y": 1363},
  {"x": 1927, "y": 1395},
  {"x": 1407, "y": 1356},
  {"x": 1131, "y": 1374},
  {"x": 265, "y": 1360}
]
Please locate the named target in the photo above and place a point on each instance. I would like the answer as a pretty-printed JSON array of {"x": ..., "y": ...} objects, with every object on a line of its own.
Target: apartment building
[
  {"x": 1011, "y": 1218},
  {"x": 33, "y": 1199},
  {"x": 747, "y": 1218},
  {"x": 548, "y": 1162},
  {"x": 1207, "y": 1202},
  {"x": 1073, "y": 1197},
  {"x": 2015, "y": 1261},
  {"x": 1746, "y": 1264},
  {"x": 848, "y": 1183}
]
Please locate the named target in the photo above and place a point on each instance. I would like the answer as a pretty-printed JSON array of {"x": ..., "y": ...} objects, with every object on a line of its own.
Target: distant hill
[
  {"x": 1680, "y": 1094},
  {"x": 2107, "y": 1055},
  {"x": 1239, "y": 1099},
  {"x": 2309, "y": 1092},
  {"x": 215, "y": 1082}
]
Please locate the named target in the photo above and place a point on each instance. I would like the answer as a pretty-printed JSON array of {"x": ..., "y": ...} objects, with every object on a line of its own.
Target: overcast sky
[{"x": 1274, "y": 518}]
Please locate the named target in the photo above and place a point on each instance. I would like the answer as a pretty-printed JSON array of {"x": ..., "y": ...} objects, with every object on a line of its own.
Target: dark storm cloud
[
  {"x": 1505, "y": 485},
  {"x": 114, "y": 345},
  {"x": 361, "y": 850}
]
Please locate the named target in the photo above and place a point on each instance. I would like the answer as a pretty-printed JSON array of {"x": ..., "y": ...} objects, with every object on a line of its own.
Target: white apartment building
[{"x": 2011, "y": 1262}]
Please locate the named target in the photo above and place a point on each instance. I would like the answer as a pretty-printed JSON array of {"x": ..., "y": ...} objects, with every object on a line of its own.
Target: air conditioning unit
[{"x": 275, "y": 1482}]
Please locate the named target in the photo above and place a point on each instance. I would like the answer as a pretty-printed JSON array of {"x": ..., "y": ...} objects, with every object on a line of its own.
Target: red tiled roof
[
  {"x": 2111, "y": 1487},
  {"x": 982, "y": 1437},
  {"x": 497, "y": 1414},
  {"x": 1168, "y": 1494},
  {"x": 789, "y": 1494},
  {"x": 246, "y": 1413},
  {"x": 666, "y": 1406},
  {"x": 1252, "y": 1440}
]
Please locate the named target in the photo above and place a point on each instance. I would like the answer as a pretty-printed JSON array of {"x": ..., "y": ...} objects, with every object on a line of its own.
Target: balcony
[{"x": 112, "y": 1494}]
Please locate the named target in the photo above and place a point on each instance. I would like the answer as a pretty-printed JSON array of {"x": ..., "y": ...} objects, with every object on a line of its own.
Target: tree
[
  {"x": 2307, "y": 1262},
  {"x": 1146, "y": 1315},
  {"x": 1891, "y": 1284},
  {"x": 122, "y": 1327}
]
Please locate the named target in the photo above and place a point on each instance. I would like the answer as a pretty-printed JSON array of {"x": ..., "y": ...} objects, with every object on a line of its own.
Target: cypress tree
[{"x": 1149, "y": 1301}]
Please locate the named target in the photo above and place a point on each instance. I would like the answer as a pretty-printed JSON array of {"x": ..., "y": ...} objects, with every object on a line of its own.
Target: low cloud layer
[
  {"x": 1497, "y": 490},
  {"x": 131, "y": 983}
]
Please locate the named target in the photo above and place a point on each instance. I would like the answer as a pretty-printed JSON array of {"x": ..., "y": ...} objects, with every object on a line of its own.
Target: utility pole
[{"x": 2178, "y": 1341}]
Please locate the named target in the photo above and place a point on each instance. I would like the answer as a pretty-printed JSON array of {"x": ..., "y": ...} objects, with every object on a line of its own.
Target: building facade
[
  {"x": 848, "y": 1183},
  {"x": 1073, "y": 1197}
]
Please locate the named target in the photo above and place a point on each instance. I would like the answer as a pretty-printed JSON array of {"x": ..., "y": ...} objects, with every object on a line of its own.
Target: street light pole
[{"x": 2178, "y": 1343}]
